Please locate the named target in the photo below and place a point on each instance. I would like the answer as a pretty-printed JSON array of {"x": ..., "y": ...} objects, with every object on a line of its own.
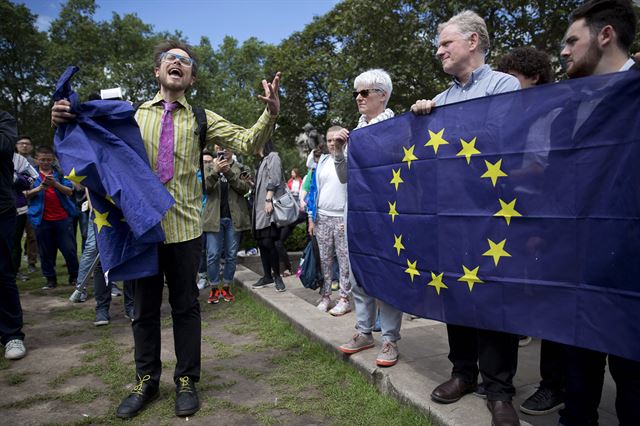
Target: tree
[{"x": 24, "y": 91}]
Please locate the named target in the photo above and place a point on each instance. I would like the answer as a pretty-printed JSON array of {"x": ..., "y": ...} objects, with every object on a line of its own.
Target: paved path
[{"x": 423, "y": 360}]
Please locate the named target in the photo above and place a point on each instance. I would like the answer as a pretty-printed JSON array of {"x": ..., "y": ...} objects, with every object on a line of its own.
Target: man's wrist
[{"x": 269, "y": 200}]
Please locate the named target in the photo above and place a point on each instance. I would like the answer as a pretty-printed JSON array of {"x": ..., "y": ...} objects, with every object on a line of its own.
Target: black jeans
[
  {"x": 102, "y": 294},
  {"x": 10, "y": 308},
  {"x": 584, "y": 380},
  {"x": 179, "y": 265},
  {"x": 495, "y": 352},
  {"x": 552, "y": 365}
]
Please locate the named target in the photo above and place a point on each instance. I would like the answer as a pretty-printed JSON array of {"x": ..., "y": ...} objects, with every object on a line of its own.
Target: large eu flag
[
  {"x": 103, "y": 150},
  {"x": 518, "y": 212}
]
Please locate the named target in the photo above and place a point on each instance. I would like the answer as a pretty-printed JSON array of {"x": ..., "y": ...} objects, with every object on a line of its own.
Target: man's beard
[{"x": 587, "y": 65}]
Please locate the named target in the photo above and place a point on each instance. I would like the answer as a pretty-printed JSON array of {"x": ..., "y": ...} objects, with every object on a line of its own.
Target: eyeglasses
[
  {"x": 365, "y": 92},
  {"x": 23, "y": 143},
  {"x": 170, "y": 57}
]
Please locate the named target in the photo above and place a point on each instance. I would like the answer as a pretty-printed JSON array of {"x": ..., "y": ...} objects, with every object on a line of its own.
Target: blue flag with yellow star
[
  {"x": 103, "y": 150},
  {"x": 518, "y": 212}
]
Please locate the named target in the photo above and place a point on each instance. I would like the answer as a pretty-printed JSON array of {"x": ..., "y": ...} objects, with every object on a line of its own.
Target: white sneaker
[
  {"x": 324, "y": 304},
  {"x": 342, "y": 307},
  {"x": 203, "y": 283},
  {"x": 14, "y": 349}
]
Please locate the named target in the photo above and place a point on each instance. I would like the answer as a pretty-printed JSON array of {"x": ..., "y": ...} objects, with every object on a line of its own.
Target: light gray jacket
[{"x": 269, "y": 178}]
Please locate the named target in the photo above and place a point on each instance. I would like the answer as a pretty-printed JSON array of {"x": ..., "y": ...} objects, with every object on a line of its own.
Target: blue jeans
[
  {"x": 227, "y": 241},
  {"x": 54, "y": 235},
  {"x": 89, "y": 254}
]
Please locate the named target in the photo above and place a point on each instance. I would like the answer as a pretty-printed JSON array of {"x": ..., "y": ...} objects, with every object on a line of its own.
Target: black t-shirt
[
  {"x": 224, "y": 197},
  {"x": 8, "y": 135}
]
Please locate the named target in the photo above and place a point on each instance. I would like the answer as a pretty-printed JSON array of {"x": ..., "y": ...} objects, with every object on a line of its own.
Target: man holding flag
[
  {"x": 167, "y": 126},
  {"x": 463, "y": 44},
  {"x": 597, "y": 42}
]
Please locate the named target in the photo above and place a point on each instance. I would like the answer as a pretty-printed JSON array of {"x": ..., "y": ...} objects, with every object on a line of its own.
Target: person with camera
[
  {"x": 51, "y": 212},
  {"x": 225, "y": 216}
]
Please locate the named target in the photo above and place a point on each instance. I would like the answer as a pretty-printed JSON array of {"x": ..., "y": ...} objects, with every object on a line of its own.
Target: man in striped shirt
[{"x": 179, "y": 256}]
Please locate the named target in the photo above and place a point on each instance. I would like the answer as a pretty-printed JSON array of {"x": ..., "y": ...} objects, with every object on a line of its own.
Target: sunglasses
[
  {"x": 365, "y": 92},
  {"x": 170, "y": 57}
]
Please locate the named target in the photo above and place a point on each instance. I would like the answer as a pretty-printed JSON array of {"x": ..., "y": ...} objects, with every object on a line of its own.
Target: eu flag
[
  {"x": 103, "y": 150},
  {"x": 518, "y": 212}
]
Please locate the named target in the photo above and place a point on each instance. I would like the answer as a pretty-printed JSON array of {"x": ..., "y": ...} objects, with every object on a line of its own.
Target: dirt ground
[{"x": 76, "y": 373}]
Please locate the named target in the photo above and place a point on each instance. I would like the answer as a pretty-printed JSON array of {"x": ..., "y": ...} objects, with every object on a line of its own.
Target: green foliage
[
  {"x": 297, "y": 241},
  {"x": 318, "y": 63}
]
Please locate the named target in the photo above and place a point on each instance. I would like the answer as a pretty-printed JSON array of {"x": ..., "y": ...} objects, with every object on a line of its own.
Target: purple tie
[{"x": 164, "y": 163}]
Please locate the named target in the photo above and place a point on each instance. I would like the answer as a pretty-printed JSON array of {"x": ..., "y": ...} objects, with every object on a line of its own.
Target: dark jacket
[{"x": 8, "y": 135}]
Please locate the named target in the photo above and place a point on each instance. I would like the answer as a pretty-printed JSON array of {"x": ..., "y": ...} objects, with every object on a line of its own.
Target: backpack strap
[{"x": 201, "y": 123}]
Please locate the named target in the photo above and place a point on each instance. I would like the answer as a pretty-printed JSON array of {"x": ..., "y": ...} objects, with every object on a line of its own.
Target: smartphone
[{"x": 220, "y": 155}]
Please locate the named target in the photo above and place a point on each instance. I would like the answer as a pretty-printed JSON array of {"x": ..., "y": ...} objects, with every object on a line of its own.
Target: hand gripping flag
[
  {"x": 103, "y": 150},
  {"x": 518, "y": 212}
]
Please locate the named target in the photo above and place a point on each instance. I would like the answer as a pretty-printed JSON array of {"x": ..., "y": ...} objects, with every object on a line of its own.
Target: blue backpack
[{"x": 311, "y": 273}]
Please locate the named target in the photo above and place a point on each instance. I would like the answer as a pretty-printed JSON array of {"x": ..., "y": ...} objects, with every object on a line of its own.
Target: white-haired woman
[{"x": 372, "y": 91}]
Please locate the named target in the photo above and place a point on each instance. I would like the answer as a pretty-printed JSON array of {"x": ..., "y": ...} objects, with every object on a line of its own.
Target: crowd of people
[{"x": 203, "y": 229}]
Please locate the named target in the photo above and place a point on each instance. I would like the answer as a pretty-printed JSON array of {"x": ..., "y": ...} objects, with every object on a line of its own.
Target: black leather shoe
[
  {"x": 141, "y": 395},
  {"x": 187, "y": 401},
  {"x": 503, "y": 413},
  {"x": 452, "y": 390}
]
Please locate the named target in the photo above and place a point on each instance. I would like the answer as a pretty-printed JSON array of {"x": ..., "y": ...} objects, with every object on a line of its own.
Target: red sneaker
[
  {"x": 214, "y": 295},
  {"x": 227, "y": 295}
]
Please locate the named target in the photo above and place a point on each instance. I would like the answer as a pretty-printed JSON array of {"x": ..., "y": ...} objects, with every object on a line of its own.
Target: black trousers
[
  {"x": 552, "y": 365},
  {"x": 179, "y": 265},
  {"x": 495, "y": 352},
  {"x": 584, "y": 380},
  {"x": 10, "y": 308}
]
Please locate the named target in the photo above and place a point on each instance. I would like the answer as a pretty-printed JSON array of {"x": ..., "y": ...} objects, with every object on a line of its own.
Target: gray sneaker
[
  {"x": 263, "y": 282},
  {"x": 14, "y": 349},
  {"x": 388, "y": 355},
  {"x": 359, "y": 342},
  {"x": 78, "y": 296}
]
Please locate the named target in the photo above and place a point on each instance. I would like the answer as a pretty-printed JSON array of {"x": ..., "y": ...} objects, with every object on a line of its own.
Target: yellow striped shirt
[{"x": 183, "y": 221}]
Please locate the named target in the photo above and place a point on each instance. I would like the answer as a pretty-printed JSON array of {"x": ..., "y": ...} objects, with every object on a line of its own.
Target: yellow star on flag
[
  {"x": 436, "y": 281},
  {"x": 496, "y": 251},
  {"x": 470, "y": 277},
  {"x": 408, "y": 155},
  {"x": 493, "y": 171},
  {"x": 397, "y": 180},
  {"x": 412, "y": 270},
  {"x": 109, "y": 199},
  {"x": 392, "y": 210},
  {"x": 435, "y": 140},
  {"x": 508, "y": 210},
  {"x": 101, "y": 219},
  {"x": 468, "y": 149},
  {"x": 75, "y": 178},
  {"x": 398, "y": 243}
]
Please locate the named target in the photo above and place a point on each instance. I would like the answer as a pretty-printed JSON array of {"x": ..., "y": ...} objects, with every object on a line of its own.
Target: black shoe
[
  {"x": 280, "y": 284},
  {"x": 187, "y": 401},
  {"x": 141, "y": 395},
  {"x": 543, "y": 401},
  {"x": 50, "y": 285},
  {"x": 263, "y": 282}
]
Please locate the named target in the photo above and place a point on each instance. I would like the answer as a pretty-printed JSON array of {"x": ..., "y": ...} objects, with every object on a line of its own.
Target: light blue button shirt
[{"x": 483, "y": 82}]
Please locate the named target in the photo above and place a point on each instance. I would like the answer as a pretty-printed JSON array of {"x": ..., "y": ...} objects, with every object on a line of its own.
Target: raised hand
[{"x": 271, "y": 95}]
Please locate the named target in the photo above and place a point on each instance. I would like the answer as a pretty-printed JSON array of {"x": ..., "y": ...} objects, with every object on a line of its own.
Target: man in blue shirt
[
  {"x": 597, "y": 42},
  {"x": 463, "y": 45}
]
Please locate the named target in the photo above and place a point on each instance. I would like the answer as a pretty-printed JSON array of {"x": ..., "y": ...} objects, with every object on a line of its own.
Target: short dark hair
[
  {"x": 24, "y": 137},
  {"x": 166, "y": 45},
  {"x": 529, "y": 62},
  {"x": 44, "y": 149},
  {"x": 617, "y": 13}
]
